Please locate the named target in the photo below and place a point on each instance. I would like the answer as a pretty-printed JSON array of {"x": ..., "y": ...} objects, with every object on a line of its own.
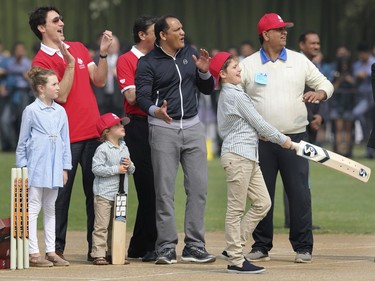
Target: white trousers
[{"x": 42, "y": 198}]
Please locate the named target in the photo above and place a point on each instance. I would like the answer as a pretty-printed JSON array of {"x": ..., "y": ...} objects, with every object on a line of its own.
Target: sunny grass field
[{"x": 340, "y": 204}]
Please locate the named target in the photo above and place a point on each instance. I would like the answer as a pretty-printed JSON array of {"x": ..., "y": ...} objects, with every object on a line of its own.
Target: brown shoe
[
  {"x": 60, "y": 254},
  {"x": 57, "y": 261},
  {"x": 39, "y": 262}
]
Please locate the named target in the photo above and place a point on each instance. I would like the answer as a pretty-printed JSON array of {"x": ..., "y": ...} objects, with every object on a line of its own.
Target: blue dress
[{"x": 44, "y": 145}]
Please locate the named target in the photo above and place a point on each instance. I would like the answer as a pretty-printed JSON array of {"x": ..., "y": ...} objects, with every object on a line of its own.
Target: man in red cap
[{"x": 275, "y": 79}]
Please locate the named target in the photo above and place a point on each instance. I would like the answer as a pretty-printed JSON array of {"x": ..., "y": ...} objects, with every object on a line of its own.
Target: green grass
[{"x": 341, "y": 204}]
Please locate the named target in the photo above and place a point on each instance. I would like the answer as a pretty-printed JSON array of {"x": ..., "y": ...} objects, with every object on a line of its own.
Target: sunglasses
[{"x": 57, "y": 19}]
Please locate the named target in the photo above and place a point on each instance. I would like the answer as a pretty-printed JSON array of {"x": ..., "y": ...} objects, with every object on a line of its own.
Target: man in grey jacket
[{"x": 169, "y": 80}]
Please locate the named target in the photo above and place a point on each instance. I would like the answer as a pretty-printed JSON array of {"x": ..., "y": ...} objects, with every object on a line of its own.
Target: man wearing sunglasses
[{"x": 75, "y": 70}]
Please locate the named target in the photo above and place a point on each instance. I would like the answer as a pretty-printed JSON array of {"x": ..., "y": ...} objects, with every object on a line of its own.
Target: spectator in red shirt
[
  {"x": 142, "y": 244},
  {"x": 75, "y": 70}
]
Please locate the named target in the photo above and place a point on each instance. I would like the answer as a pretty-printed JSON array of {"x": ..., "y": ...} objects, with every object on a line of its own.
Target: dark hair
[
  {"x": 38, "y": 17},
  {"x": 302, "y": 37},
  {"x": 161, "y": 25},
  {"x": 363, "y": 47},
  {"x": 141, "y": 24},
  {"x": 247, "y": 42},
  {"x": 15, "y": 45},
  {"x": 342, "y": 63},
  {"x": 261, "y": 39}
]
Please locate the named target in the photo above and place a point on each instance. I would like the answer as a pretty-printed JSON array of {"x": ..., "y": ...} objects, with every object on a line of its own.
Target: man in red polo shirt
[
  {"x": 75, "y": 70},
  {"x": 142, "y": 244}
]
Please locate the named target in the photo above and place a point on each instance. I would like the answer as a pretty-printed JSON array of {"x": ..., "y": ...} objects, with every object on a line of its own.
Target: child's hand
[
  {"x": 124, "y": 166},
  {"x": 65, "y": 177},
  {"x": 288, "y": 144},
  {"x": 122, "y": 169}
]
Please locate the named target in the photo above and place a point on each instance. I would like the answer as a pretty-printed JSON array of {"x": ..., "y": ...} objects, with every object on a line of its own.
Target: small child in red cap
[
  {"x": 239, "y": 125},
  {"x": 110, "y": 160}
]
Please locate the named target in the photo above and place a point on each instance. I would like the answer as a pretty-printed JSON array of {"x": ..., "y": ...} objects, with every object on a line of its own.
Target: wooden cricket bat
[
  {"x": 332, "y": 160},
  {"x": 19, "y": 220},
  {"x": 25, "y": 216},
  {"x": 13, "y": 220},
  {"x": 119, "y": 225}
]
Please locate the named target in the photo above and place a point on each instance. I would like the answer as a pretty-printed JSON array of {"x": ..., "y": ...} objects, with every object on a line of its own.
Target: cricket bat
[
  {"x": 19, "y": 219},
  {"x": 25, "y": 216},
  {"x": 332, "y": 160},
  {"x": 13, "y": 220},
  {"x": 119, "y": 225}
]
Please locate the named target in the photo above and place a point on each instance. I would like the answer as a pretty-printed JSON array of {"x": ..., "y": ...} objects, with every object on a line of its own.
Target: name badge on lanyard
[{"x": 261, "y": 78}]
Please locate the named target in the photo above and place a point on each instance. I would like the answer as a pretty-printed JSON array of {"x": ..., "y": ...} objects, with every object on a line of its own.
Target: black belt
[{"x": 138, "y": 117}]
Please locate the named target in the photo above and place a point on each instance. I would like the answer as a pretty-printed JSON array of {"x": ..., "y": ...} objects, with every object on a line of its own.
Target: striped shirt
[
  {"x": 105, "y": 164},
  {"x": 239, "y": 123}
]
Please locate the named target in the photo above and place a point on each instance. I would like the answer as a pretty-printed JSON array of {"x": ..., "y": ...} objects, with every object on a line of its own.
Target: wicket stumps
[{"x": 19, "y": 239}]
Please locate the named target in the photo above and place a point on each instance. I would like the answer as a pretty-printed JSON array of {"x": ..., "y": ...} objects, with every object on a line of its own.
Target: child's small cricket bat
[{"x": 119, "y": 225}]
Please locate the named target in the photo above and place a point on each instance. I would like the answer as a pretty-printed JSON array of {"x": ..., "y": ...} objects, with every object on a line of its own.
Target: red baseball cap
[
  {"x": 272, "y": 21},
  {"x": 108, "y": 120},
  {"x": 216, "y": 64}
]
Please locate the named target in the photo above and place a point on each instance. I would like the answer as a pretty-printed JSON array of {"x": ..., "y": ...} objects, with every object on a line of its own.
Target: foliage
[
  {"x": 97, "y": 7},
  {"x": 337, "y": 21}
]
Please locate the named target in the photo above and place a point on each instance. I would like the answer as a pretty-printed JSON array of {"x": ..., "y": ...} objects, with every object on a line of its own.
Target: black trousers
[
  {"x": 144, "y": 233},
  {"x": 82, "y": 153},
  {"x": 294, "y": 171}
]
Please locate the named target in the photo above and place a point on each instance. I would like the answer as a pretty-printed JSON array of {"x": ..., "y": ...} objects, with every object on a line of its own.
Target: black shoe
[
  {"x": 135, "y": 255},
  {"x": 247, "y": 268},
  {"x": 196, "y": 254},
  {"x": 166, "y": 256},
  {"x": 149, "y": 256}
]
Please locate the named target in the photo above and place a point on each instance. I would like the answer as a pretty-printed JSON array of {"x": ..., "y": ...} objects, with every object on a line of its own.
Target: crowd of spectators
[{"x": 348, "y": 115}]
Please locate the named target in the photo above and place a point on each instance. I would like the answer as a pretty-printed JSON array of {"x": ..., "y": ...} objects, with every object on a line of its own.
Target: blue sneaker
[
  {"x": 196, "y": 254},
  {"x": 166, "y": 256},
  {"x": 247, "y": 268}
]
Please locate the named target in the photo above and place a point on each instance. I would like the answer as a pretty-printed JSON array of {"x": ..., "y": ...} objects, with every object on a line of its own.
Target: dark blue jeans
[{"x": 82, "y": 153}]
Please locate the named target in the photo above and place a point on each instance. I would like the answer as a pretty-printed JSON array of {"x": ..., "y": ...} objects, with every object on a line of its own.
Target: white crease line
[{"x": 115, "y": 278}]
